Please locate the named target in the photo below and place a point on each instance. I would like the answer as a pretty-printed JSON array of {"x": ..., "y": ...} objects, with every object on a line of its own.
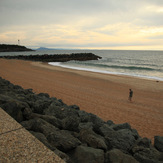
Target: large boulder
[
  {"x": 40, "y": 104},
  {"x": 143, "y": 151},
  {"x": 117, "y": 156},
  {"x": 158, "y": 143},
  {"x": 144, "y": 142},
  {"x": 71, "y": 123},
  {"x": 122, "y": 139},
  {"x": 117, "y": 127},
  {"x": 89, "y": 117},
  {"x": 85, "y": 125},
  {"x": 28, "y": 124},
  {"x": 63, "y": 140},
  {"x": 50, "y": 119},
  {"x": 13, "y": 107},
  {"x": 60, "y": 110},
  {"x": 92, "y": 139},
  {"x": 39, "y": 125},
  {"x": 147, "y": 155},
  {"x": 83, "y": 154},
  {"x": 43, "y": 139},
  {"x": 28, "y": 114},
  {"x": 105, "y": 130}
]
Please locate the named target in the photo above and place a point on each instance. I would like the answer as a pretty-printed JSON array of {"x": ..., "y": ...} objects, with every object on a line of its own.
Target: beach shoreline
[{"x": 105, "y": 95}]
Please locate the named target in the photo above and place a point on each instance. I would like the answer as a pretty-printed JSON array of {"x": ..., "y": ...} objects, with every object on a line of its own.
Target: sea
[{"x": 135, "y": 63}]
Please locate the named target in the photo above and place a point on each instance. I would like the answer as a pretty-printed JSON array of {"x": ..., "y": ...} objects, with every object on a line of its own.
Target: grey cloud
[
  {"x": 60, "y": 11},
  {"x": 15, "y": 14}
]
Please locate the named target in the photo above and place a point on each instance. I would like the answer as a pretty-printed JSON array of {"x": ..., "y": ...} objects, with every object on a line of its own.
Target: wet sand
[{"x": 101, "y": 94}]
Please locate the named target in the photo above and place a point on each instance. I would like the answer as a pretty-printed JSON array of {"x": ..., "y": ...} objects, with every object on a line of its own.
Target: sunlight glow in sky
[{"x": 84, "y": 24}]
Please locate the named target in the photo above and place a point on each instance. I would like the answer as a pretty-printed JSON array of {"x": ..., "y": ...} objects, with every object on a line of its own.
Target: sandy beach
[{"x": 101, "y": 94}]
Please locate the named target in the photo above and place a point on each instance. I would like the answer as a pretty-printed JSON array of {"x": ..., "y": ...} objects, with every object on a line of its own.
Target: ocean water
[{"x": 142, "y": 64}]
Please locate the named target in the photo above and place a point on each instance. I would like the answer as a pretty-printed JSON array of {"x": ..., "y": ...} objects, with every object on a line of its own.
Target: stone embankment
[
  {"x": 73, "y": 134},
  {"x": 56, "y": 57}
]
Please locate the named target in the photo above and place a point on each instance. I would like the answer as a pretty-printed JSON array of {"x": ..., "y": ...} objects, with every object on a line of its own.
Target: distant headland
[{"x": 13, "y": 48}]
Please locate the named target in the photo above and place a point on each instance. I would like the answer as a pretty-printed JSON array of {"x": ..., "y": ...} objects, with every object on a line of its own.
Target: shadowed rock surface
[{"x": 73, "y": 134}]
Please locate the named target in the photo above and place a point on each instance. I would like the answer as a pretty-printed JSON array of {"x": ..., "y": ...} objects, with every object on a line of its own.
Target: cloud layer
[{"x": 103, "y": 24}]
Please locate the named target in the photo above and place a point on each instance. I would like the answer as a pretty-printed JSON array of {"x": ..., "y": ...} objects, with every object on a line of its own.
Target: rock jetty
[
  {"x": 75, "y": 135},
  {"x": 56, "y": 57},
  {"x": 13, "y": 48}
]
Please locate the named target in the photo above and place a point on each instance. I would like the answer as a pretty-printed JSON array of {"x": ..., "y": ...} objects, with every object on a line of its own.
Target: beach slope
[{"x": 101, "y": 94}]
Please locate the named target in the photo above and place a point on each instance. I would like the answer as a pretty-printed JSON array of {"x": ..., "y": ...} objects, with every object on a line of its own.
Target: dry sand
[{"x": 101, "y": 94}]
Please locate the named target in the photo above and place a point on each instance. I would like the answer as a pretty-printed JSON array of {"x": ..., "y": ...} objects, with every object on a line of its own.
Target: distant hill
[
  {"x": 43, "y": 48},
  {"x": 13, "y": 48}
]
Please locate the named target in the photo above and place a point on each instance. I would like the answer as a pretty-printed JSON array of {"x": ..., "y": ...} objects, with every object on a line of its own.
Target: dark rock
[
  {"x": 74, "y": 107},
  {"x": 135, "y": 133},
  {"x": 43, "y": 139},
  {"x": 4, "y": 99},
  {"x": 28, "y": 124},
  {"x": 27, "y": 113},
  {"x": 50, "y": 119},
  {"x": 60, "y": 111},
  {"x": 71, "y": 123},
  {"x": 147, "y": 155},
  {"x": 44, "y": 95},
  {"x": 158, "y": 143},
  {"x": 117, "y": 156},
  {"x": 63, "y": 140},
  {"x": 110, "y": 122},
  {"x": 60, "y": 139},
  {"x": 117, "y": 127},
  {"x": 28, "y": 91},
  {"x": 92, "y": 139},
  {"x": 44, "y": 127},
  {"x": 143, "y": 151},
  {"x": 86, "y": 125},
  {"x": 84, "y": 116},
  {"x": 39, "y": 125},
  {"x": 122, "y": 139},
  {"x": 144, "y": 142},
  {"x": 89, "y": 117},
  {"x": 105, "y": 130},
  {"x": 84, "y": 154},
  {"x": 40, "y": 105},
  {"x": 13, "y": 107},
  {"x": 62, "y": 155}
]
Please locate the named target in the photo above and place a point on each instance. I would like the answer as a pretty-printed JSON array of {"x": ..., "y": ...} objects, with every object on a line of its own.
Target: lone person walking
[{"x": 130, "y": 95}]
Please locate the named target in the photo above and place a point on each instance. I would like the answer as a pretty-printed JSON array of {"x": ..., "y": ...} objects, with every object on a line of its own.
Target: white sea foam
[
  {"x": 142, "y": 64},
  {"x": 60, "y": 64}
]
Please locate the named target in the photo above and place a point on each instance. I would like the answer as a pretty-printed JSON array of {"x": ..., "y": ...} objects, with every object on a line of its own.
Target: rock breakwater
[
  {"x": 75, "y": 135},
  {"x": 56, "y": 57}
]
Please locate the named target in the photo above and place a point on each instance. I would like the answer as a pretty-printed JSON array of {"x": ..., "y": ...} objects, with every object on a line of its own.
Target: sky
[{"x": 83, "y": 24}]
